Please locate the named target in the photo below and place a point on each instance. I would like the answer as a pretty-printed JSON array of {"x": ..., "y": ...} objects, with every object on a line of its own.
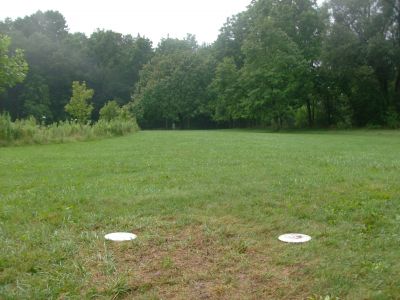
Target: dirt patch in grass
[{"x": 194, "y": 262}]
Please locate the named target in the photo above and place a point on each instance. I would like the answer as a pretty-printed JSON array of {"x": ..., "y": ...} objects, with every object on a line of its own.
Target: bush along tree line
[
  {"x": 114, "y": 121},
  {"x": 279, "y": 63}
]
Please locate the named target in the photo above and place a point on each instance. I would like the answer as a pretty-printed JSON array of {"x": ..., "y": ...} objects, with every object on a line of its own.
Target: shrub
[
  {"x": 80, "y": 106},
  {"x": 392, "y": 119},
  {"x": 30, "y": 132},
  {"x": 110, "y": 111},
  {"x": 5, "y": 127},
  {"x": 18, "y": 130},
  {"x": 301, "y": 120}
]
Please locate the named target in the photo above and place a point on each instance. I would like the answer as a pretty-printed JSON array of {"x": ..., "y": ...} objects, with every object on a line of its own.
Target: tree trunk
[
  {"x": 309, "y": 113},
  {"x": 181, "y": 121},
  {"x": 385, "y": 91},
  {"x": 397, "y": 84},
  {"x": 313, "y": 111},
  {"x": 328, "y": 111},
  {"x": 397, "y": 91}
]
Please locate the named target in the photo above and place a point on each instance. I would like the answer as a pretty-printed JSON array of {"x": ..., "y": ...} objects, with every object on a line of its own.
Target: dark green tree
[
  {"x": 227, "y": 92},
  {"x": 35, "y": 96},
  {"x": 272, "y": 74},
  {"x": 173, "y": 86}
]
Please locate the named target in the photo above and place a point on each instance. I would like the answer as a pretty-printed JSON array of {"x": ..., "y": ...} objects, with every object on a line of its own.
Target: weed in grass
[
  {"x": 118, "y": 288},
  {"x": 167, "y": 263}
]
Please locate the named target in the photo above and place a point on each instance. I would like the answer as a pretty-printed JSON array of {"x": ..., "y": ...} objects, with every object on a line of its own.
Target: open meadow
[{"x": 207, "y": 207}]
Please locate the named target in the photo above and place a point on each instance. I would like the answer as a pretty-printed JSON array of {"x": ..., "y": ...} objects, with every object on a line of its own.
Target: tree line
[
  {"x": 107, "y": 61},
  {"x": 279, "y": 63}
]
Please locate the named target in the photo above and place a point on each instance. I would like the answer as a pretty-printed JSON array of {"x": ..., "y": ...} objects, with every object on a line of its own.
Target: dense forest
[{"x": 280, "y": 64}]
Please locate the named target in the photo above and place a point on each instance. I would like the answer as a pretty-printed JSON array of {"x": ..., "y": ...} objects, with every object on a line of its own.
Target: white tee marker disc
[
  {"x": 294, "y": 238},
  {"x": 120, "y": 236}
]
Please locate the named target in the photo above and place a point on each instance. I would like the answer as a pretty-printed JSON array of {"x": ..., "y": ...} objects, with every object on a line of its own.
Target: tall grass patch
[{"x": 29, "y": 131}]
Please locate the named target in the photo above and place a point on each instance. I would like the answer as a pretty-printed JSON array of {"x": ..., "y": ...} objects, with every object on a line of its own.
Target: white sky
[{"x": 152, "y": 18}]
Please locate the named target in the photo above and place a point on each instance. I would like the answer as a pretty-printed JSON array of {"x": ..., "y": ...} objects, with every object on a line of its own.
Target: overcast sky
[{"x": 153, "y": 18}]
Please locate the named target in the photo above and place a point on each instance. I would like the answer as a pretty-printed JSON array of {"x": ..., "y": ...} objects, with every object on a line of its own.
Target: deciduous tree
[
  {"x": 13, "y": 67},
  {"x": 80, "y": 106}
]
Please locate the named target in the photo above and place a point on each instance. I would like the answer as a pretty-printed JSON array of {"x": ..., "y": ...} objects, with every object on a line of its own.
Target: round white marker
[
  {"x": 294, "y": 238},
  {"x": 120, "y": 236}
]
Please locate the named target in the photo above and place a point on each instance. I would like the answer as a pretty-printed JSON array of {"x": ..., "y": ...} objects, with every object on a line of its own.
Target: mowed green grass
[{"x": 207, "y": 207}]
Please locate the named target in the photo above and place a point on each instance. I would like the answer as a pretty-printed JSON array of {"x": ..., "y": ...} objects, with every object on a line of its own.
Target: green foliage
[
  {"x": 6, "y": 131},
  {"x": 13, "y": 68},
  {"x": 79, "y": 106},
  {"x": 116, "y": 127},
  {"x": 301, "y": 117},
  {"x": 393, "y": 119},
  {"x": 359, "y": 50},
  {"x": 274, "y": 45},
  {"x": 271, "y": 74},
  {"x": 339, "y": 61},
  {"x": 18, "y": 130},
  {"x": 118, "y": 60},
  {"x": 108, "y": 60},
  {"x": 29, "y": 131},
  {"x": 231, "y": 38},
  {"x": 110, "y": 111},
  {"x": 225, "y": 85},
  {"x": 173, "y": 85},
  {"x": 35, "y": 95}
]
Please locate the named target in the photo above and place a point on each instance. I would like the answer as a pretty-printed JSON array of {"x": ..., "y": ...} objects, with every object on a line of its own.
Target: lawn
[{"x": 207, "y": 207}]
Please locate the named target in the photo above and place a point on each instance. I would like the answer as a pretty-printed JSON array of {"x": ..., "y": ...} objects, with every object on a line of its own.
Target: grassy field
[{"x": 207, "y": 207}]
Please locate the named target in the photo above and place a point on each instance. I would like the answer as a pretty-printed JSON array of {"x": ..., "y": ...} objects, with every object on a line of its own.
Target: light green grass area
[{"x": 207, "y": 207}]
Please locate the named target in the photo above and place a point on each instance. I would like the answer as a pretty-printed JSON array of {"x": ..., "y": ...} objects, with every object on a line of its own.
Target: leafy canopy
[{"x": 13, "y": 68}]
